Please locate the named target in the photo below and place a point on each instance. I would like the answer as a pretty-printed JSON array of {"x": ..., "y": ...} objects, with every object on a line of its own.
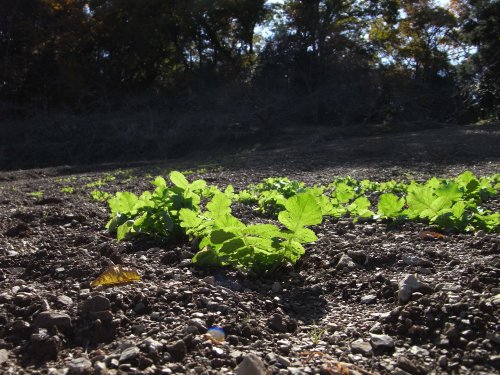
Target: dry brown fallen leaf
[
  {"x": 336, "y": 368},
  {"x": 343, "y": 368},
  {"x": 428, "y": 235},
  {"x": 115, "y": 275}
]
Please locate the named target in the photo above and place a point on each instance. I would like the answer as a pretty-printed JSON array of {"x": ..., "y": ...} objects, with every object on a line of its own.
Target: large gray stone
[
  {"x": 100, "y": 368},
  {"x": 48, "y": 319},
  {"x": 200, "y": 325},
  {"x": 129, "y": 354},
  {"x": 408, "y": 366},
  {"x": 368, "y": 298},
  {"x": 381, "y": 342},
  {"x": 251, "y": 365},
  {"x": 79, "y": 366},
  {"x": 64, "y": 300},
  {"x": 96, "y": 303},
  {"x": 277, "y": 324},
  {"x": 177, "y": 350},
  {"x": 361, "y": 347}
]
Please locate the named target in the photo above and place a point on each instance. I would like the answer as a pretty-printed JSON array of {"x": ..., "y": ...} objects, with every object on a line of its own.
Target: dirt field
[{"x": 336, "y": 309}]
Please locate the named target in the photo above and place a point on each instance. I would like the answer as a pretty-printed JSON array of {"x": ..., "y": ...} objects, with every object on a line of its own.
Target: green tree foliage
[
  {"x": 168, "y": 42},
  {"x": 323, "y": 34},
  {"x": 58, "y": 50},
  {"x": 415, "y": 35},
  {"x": 318, "y": 51},
  {"x": 336, "y": 61},
  {"x": 135, "y": 41},
  {"x": 44, "y": 50},
  {"x": 413, "y": 40},
  {"x": 480, "y": 25}
]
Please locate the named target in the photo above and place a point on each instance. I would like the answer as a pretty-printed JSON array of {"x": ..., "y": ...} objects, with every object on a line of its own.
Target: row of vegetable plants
[{"x": 196, "y": 210}]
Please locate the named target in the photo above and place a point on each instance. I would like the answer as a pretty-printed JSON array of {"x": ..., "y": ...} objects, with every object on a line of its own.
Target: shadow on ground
[{"x": 321, "y": 148}]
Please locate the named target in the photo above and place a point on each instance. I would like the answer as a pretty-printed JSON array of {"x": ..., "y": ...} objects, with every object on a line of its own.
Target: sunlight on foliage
[
  {"x": 195, "y": 210},
  {"x": 68, "y": 190},
  {"x": 36, "y": 194},
  {"x": 100, "y": 196}
]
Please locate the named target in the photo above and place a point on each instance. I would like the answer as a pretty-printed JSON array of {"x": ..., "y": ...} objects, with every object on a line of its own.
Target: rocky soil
[{"x": 367, "y": 298}]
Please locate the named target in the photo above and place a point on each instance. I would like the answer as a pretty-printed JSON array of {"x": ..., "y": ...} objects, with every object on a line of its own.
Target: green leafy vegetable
[
  {"x": 390, "y": 206},
  {"x": 100, "y": 196},
  {"x": 225, "y": 240},
  {"x": 155, "y": 213},
  {"x": 300, "y": 210},
  {"x": 195, "y": 210}
]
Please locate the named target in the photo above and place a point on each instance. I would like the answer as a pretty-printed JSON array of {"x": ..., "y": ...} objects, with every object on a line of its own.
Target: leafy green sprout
[
  {"x": 36, "y": 194},
  {"x": 260, "y": 248},
  {"x": 68, "y": 190},
  {"x": 103, "y": 181},
  {"x": 130, "y": 179},
  {"x": 247, "y": 318},
  {"x": 157, "y": 212},
  {"x": 66, "y": 179},
  {"x": 124, "y": 172},
  {"x": 100, "y": 196},
  {"x": 193, "y": 171},
  {"x": 316, "y": 333}
]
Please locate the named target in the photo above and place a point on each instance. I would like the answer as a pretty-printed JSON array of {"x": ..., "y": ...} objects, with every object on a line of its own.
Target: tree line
[{"x": 336, "y": 61}]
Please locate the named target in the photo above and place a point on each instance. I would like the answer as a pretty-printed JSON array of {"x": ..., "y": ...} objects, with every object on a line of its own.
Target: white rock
[
  {"x": 418, "y": 351},
  {"x": 495, "y": 300},
  {"x": 410, "y": 284},
  {"x": 413, "y": 260},
  {"x": 4, "y": 356},
  {"x": 369, "y": 298},
  {"x": 217, "y": 351}
]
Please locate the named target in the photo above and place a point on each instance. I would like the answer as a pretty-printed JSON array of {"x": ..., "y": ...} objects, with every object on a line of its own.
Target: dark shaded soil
[{"x": 338, "y": 304}]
